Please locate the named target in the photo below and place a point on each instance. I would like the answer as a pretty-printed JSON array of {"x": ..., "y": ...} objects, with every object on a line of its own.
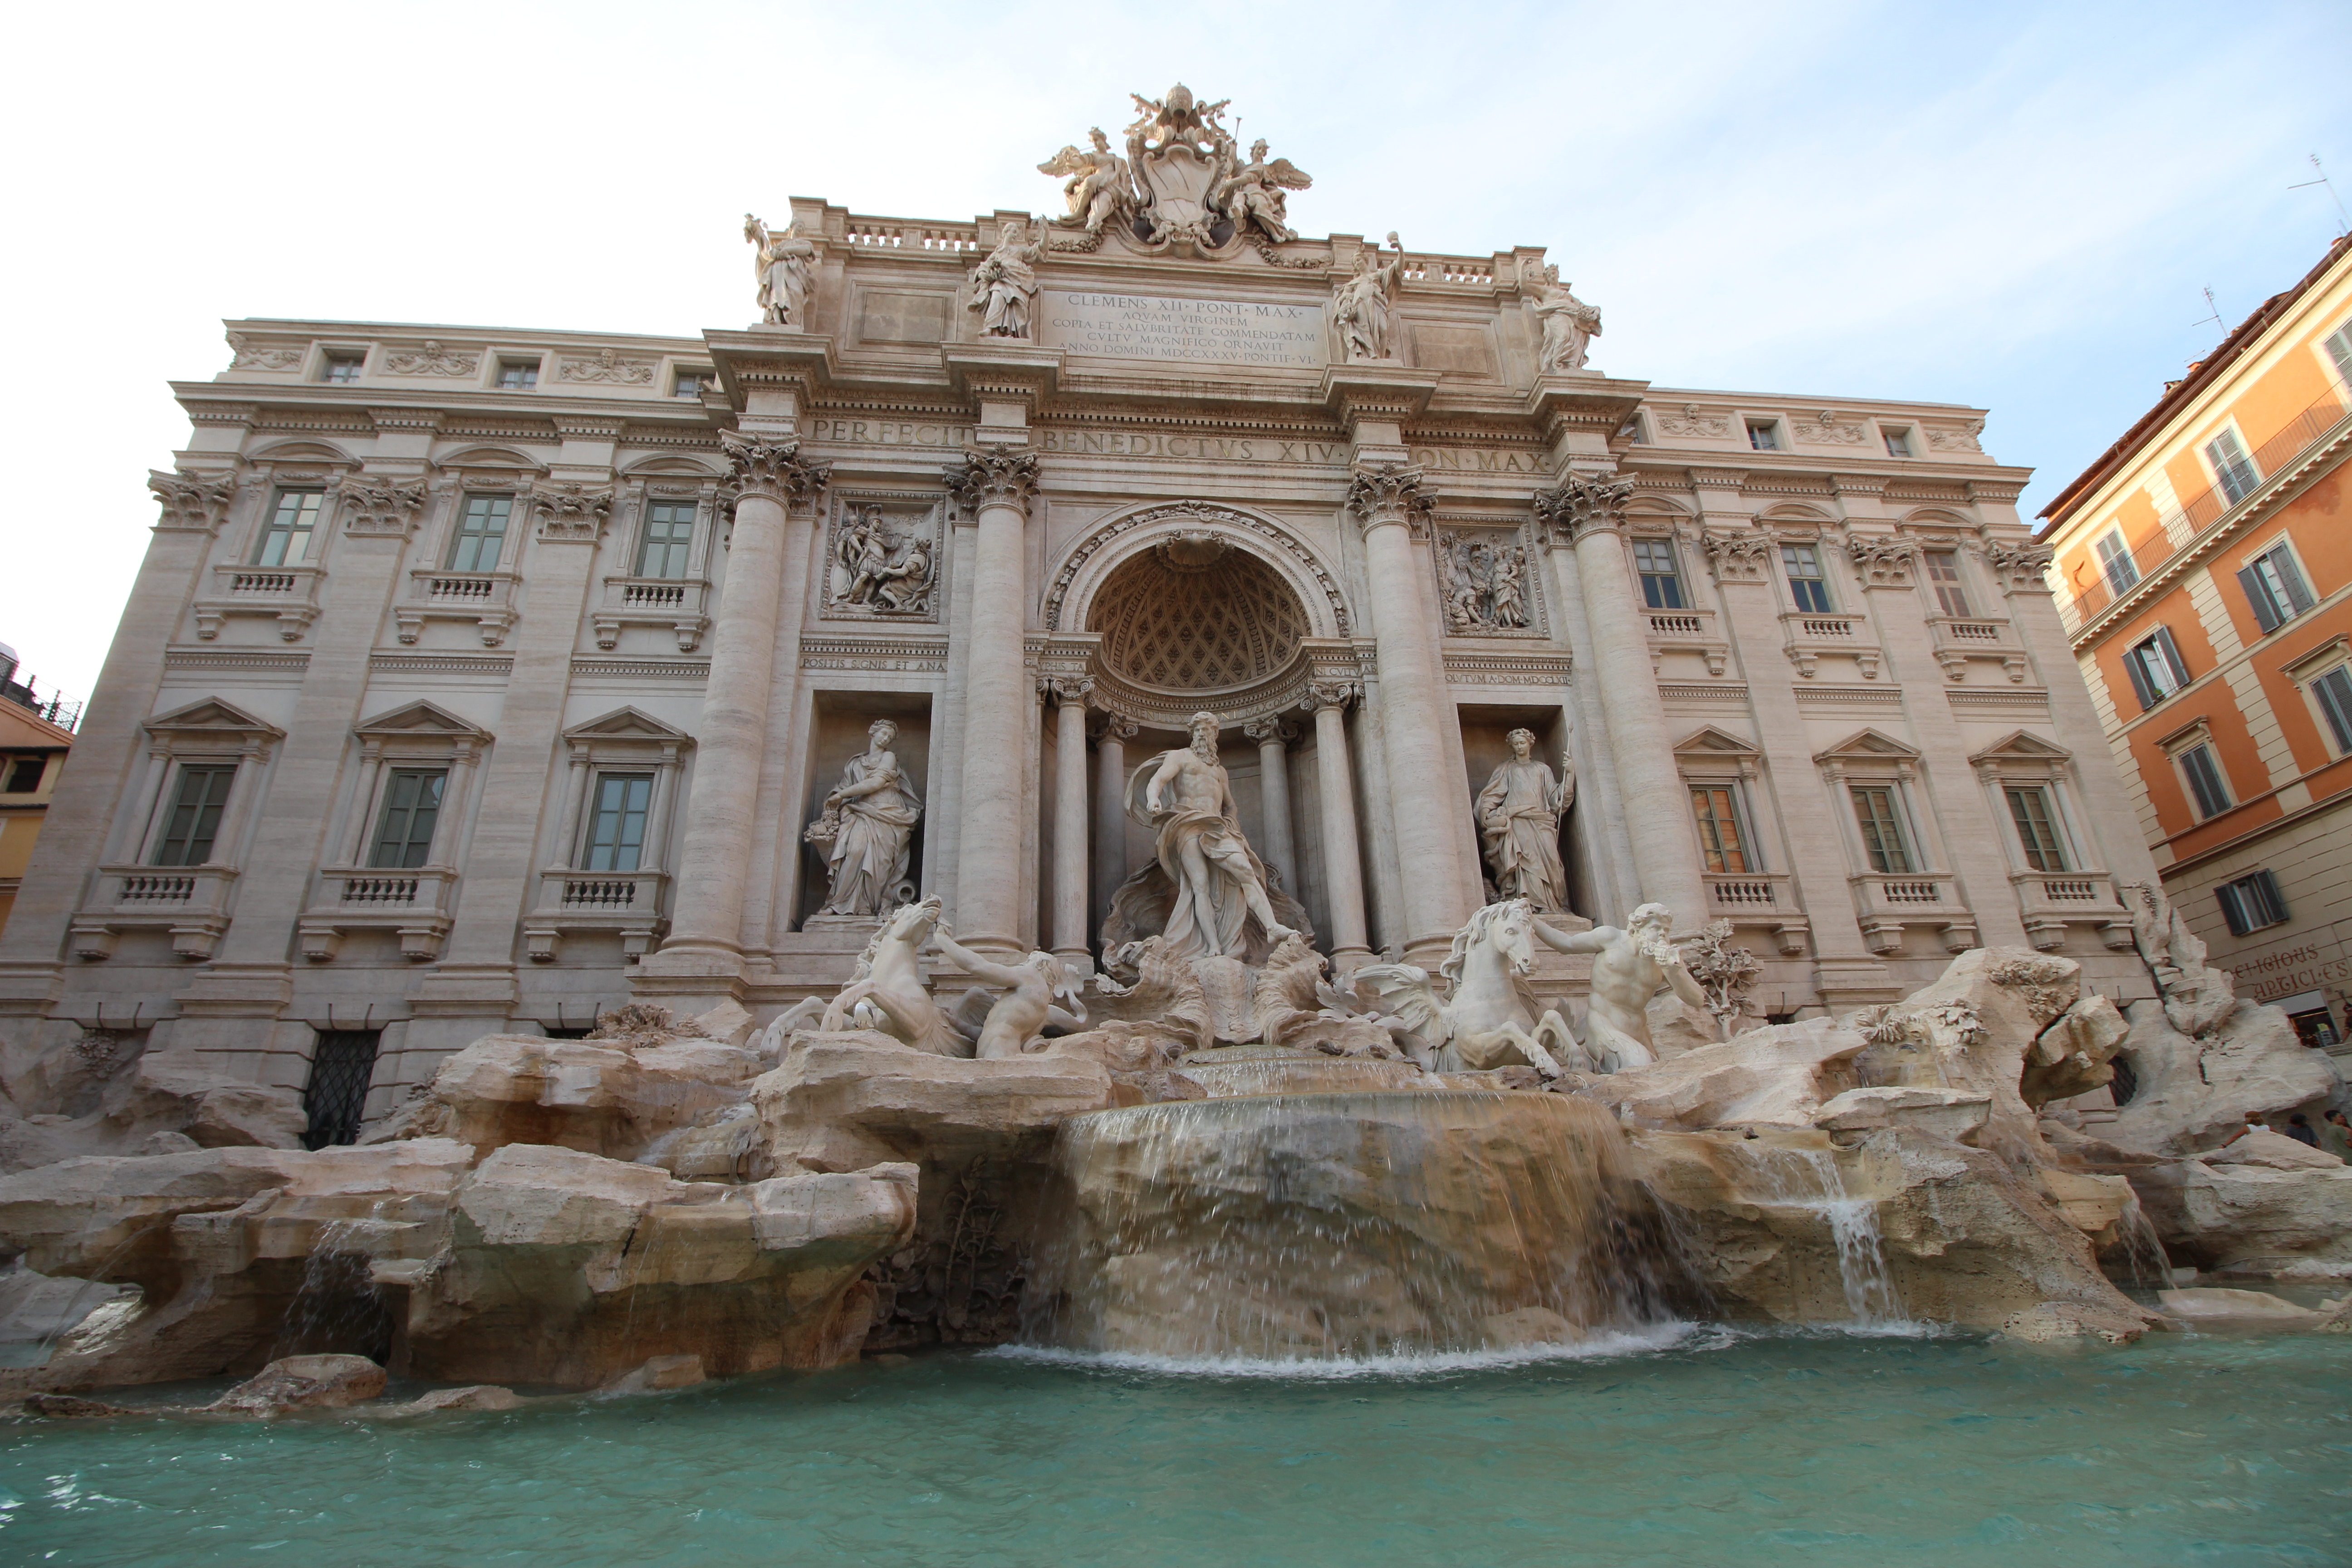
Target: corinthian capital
[
  {"x": 571, "y": 512},
  {"x": 1582, "y": 504},
  {"x": 380, "y": 508},
  {"x": 772, "y": 468},
  {"x": 190, "y": 500},
  {"x": 995, "y": 477},
  {"x": 1390, "y": 493}
]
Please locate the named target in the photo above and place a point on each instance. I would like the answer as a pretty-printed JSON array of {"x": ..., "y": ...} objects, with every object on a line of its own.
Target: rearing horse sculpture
[{"x": 1493, "y": 1019}]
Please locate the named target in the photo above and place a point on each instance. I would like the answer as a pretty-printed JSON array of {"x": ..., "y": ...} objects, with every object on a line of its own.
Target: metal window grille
[
  {"x": 481, "y": 534},
  {"x": 2037, "y": 829},
  {"x": 1717, "y": 808},
  {"x": 196, "y": 816},
  {"x": 1882, "y": 830},
  {"x": 617, "y": 833},
  {"x": 412, "y": 804},
  {"x": 341, "y": 1067},
  {"x": 2204, "y": 777},
  {"x": 669, "y": 529}
]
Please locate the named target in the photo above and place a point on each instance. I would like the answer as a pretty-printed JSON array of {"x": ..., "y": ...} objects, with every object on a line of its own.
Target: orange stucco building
[{"x": 2203, "y": 570}]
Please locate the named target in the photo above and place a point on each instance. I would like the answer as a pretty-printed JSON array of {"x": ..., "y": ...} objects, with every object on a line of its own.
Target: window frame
[
  {"x": 1897, "y": 438},
  {"x": 1769, "y": 428},
  {"x": 2235, "y": 473},
  {"x": 683, "y": 545},
  {"x": 459, "y": 534},
  {"x": 2052, "y": 826},
  {"x": 526, "y": 366},
  {"x": 1666, "y": 542},
  {"x": 415, "y": 854},
  {"x": 2254, "y": 894},
  {"x": 1958, "y": 586},
  {"x": 174, "y": 801},
  {"x": 2335, "y": 353},
  {"x": 330, "y": 360},
  {"x": 1819, "y": 579},
  {"x": 2136, "y": 669},
  {"x": 2117, "y": 565},
  {"x": 2197, "y": 740},
  {"x": 41, "y": 766},
  {"x": 1906, "y": 836},
  {"x": 591, "y": 841},
  {"x": 703, "y": 379},
  {"x": 1741, "y": 820},
  {"x": 312, "y": 535},
  {"x": 2294, "y": 583},
  {"x": 2330, "y": 712}
]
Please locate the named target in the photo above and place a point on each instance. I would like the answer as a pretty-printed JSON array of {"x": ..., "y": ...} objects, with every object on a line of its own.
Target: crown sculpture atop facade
[{"x": 1183, "y": 182}]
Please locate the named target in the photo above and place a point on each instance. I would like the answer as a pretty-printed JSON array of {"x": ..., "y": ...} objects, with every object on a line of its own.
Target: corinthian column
[
  {"x": 1070, "y": 818},
  {"x": 1274, "y": 795},
  {"x": 1388, "y": 500},
  {"x": 1591, "y": 513},
  {"x": 996, "y": 485},
  {"x": 1343, "y": 874},
  {"x": 705, "y": 925},
  {"x": 1110, "y": 806}
]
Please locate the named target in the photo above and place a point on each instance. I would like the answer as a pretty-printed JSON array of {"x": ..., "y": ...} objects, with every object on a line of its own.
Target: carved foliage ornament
[
  {"x": 249, "y": 355},
  {"x": 995, "y": 477},
  {"x": 2024, "y": 563},
  {"x": 1323, "y": 694},
  {"x": 190, "y": 500},
  {"x": 1737, "y": 557},
  {"x": 1690, "y": 422},
  {"x": 1583, "y": 503},
  {"x": 433, "y": 360},
  {"x": 607, "y": 367},
  {"x": 772, "y": 468},
  {"x": 380, "y": 508},
  {"x": 1945, "y": 438},
  {"x": 1390, "y": 493},
  {"x": 1885, "y": 562},
  {"x": 571, "y": 512}
]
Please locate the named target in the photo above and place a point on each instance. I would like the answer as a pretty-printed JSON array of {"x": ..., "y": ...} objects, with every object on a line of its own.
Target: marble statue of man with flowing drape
[
  {"x": 1220, "y": 883},
  {"x": 1519, "y": 818},
  {"x": 876, "y": 810}
]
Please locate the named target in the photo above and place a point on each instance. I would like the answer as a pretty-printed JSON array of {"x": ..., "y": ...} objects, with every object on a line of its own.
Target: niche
[
  {"x": 837, "y": 727},
  {"x": 1486, "y": 746}
]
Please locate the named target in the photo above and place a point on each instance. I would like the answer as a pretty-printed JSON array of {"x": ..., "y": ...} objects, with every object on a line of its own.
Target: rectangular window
[
  {"x": 481, "y": 534},
  {"x": 1763, "y": 436},
  {"x": 1634, "y": 431},
  {"x": 669, "y": 529},
  {"x": 2198, "y": 766},
  {"x": 196, "y": 802},
  {"x": 2334, "y": 690},
  {"x": 2115, "y": 561},
  {"x": 2232, "y": 470},
  {"x": 518, "y": 375},
  {"x": 342, "y": 367},
  {"x": 1722, "y": 836},
  {"x": 2250, "y": 903},
  {"x": 1898, "y": 443},
  {"x": 25, "y": 774},
  {"x": 1661, "y": 580},
  {"x": 403, "y": 832},
  {"x": 691, "y": 382},
  {"x": 616, "y": 831},
  {"x": 1808, "y": 584},
  {"x": 293, "y": 524},
  {"x": 1883, "y": 840},
  {"x": 2275, "y": 588},
  {"x": 341, "y": 1069},
  {"x": 2339, "y": 349},
  {"x": 2037, "y": 829},
  {"x": 2156, "y": 667},
  {"x": 1944, "y": 575}
]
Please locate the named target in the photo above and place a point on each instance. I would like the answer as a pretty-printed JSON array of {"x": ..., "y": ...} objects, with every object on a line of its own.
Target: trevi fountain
[{"x": 1284, "y": 976}]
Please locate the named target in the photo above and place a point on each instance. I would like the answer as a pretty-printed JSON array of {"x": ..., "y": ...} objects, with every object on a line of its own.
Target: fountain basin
[
  {"x": 1231, "y": 1070},
  {"x": 1351, "y": 1222}
]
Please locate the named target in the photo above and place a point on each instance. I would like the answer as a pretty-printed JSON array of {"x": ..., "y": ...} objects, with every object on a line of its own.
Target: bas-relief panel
[
  {"x": 1485, "y": 586},
  {"x": 882, "y": 556}
]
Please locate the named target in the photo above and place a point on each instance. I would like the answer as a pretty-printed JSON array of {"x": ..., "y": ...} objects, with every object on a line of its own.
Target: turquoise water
[{"x": 1822, "y": 1450}]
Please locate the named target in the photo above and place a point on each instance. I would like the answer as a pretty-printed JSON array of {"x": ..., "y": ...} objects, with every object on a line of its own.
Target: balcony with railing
[
  {"x": 628, "y": 904},
  {"x": 1760, "y": 898},
  {"x": 1808, "y": 636},
  {"x": 2051, "y": 900},
  {"x": 1687, "y": 631},
  {"x": 190, "y": 902},
  {"x": 1887, "y": 901},
  {"x": 415, "y": 903},
  {"x": 1959, "y": 639},
  {"x": 2201, "y": 513},
  {"x": 485, "y": 598},
  {"x": 288, "y": 595},
  {"x": 680, "y": 603}
]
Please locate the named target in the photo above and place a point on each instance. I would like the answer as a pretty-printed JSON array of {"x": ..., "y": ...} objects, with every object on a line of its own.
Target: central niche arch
[{"x": 1196, "y": 605}]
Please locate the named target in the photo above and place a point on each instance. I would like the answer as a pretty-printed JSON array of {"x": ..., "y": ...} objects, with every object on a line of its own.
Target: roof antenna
[
  {"x": 2215, "y": 317},
  {"x": 2344, "y": 219}
]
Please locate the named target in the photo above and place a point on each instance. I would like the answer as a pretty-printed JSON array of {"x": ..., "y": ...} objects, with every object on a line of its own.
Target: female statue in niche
[
  {"x": 871, "y": 814},
  {"x": 1519, "y": 818}
]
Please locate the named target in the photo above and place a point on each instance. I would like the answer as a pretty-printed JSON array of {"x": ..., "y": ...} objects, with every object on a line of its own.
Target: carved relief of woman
[{"x": 879, "y": 810}]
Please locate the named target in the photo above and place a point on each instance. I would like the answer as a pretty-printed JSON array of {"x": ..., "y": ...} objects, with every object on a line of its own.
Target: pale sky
[{"x": 2013, "y": 205}]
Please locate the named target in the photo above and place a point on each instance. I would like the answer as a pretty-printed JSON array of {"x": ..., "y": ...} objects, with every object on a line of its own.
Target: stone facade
[{"x": 1037, "y": 493}]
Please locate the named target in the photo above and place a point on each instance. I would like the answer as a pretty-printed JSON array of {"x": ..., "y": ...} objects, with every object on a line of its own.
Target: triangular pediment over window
[
  {"x": 2021, "y": 747},
  {"x": 421, "y": 719},
  {"x": 1869, "y": 746},
  {"x": 626, "y": 724},
  {"x": 1711, "y": 742},
  {"x": 212, "y": 719}
]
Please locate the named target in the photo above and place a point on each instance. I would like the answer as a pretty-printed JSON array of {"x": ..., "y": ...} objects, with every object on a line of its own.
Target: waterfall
[{"x": 1808, "y": 1180}]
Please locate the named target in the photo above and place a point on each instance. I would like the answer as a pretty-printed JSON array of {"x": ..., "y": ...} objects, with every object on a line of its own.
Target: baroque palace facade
[{"x": 477, "y": 680}]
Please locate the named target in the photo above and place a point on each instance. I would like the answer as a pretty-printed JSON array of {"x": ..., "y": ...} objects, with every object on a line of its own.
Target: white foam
[{"x": 1430, "y": 1363}]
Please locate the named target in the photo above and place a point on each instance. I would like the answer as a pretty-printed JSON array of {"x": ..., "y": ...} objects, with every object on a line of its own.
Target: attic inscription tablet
[{"x": 1200, "y": 331}]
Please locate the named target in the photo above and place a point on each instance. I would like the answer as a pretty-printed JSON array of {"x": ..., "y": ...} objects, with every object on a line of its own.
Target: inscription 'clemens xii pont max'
[{"x": 1214, "y": 331}]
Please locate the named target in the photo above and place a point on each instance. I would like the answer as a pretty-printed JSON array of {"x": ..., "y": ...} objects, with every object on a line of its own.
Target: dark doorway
[{"x": 340, "y": 1070}]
